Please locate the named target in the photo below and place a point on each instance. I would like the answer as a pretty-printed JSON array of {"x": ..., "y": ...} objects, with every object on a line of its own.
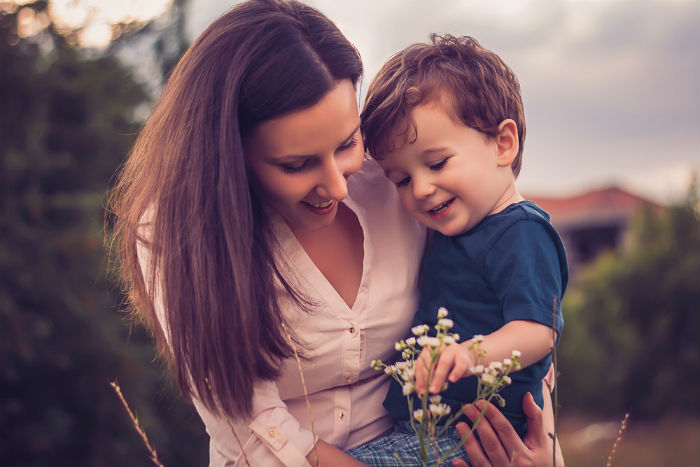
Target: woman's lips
[{"x": 320, "y": 208}]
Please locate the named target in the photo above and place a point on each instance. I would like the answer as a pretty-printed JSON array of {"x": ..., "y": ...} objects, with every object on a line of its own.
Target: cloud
[{"x": 611, "y": 88}]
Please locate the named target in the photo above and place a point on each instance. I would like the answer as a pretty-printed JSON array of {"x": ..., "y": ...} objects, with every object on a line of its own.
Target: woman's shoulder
[{"x": 369, "y": 182}]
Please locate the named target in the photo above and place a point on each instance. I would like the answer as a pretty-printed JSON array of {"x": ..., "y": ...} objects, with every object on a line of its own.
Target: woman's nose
[{"x": 333, "y": 184}]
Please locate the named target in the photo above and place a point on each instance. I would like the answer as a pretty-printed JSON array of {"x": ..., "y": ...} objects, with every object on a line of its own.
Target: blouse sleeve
[{"x": 272, "y": 436}]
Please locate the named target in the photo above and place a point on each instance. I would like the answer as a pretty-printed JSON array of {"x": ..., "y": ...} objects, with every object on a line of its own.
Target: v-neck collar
[{"x": 303, "y": 268}]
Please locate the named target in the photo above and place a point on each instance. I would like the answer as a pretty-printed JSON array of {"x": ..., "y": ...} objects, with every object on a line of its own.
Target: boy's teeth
[{"x": 440, "y": 207}]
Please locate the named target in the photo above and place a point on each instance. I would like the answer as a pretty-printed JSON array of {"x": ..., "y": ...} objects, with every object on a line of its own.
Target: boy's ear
[{"x": 507, "y": 142}]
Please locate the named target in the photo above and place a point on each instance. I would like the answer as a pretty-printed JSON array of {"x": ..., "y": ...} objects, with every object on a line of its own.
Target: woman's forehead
[{"x": 309, "y": 131}]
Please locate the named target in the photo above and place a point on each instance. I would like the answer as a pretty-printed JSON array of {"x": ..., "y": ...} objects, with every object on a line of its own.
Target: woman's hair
[
  {"x": 184, "y": 194},
  {"x": 473, "y": 84}
]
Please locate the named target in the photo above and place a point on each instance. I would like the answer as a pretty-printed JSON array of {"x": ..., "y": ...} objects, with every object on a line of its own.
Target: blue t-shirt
[{"x": 509, "y": 267}]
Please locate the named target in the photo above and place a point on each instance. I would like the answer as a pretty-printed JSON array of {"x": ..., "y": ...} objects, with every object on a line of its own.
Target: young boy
[{"x": 445, "y": 121}]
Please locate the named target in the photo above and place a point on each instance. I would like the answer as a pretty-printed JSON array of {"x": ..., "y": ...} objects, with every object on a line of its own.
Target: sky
[{"x": 611, "y": 88}]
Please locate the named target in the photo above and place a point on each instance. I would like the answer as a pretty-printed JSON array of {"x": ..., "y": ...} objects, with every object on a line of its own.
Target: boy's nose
[{"x": 422, "y": 188}]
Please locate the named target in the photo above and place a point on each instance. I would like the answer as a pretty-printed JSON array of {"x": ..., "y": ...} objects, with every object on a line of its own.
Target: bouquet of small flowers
[{"x": 433, "y": 417}]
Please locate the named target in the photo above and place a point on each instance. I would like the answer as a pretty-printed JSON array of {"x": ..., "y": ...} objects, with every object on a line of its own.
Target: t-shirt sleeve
[
  {"x": 525, "y": 270},
  {"x": 272, "y": 436}
]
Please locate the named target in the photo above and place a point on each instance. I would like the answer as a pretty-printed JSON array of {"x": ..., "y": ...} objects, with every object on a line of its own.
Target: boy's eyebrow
[
  {"x": 308, "y": 156},
  {"x": 432, "y": 150}
]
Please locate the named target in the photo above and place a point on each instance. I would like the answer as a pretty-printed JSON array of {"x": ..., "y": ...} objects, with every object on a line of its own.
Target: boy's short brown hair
[{"x": 473, "y": 83}]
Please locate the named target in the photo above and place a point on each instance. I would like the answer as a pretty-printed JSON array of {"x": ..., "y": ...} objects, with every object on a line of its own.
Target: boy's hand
[{"x": 453, "y": 363}]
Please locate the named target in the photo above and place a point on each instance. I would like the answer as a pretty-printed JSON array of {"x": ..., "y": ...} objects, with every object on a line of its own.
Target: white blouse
[{"x": 345, "y": 394}]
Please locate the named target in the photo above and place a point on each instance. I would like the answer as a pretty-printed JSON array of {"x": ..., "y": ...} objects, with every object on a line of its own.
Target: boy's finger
[
  {"x": 459, "y": 370},
  {"x": 440, "y": 374}
]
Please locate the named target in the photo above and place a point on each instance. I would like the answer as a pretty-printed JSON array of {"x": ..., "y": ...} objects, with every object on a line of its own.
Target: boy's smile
[{"x": 452, "y": 176}]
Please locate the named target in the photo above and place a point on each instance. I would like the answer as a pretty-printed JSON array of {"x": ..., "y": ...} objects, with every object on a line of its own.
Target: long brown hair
[{"x": 211, "y": 263}]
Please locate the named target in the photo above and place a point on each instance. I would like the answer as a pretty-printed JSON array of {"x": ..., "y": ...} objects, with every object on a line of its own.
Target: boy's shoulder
[
  {"x": 492, "y": 226},
  {"x": 525, "y": 215}
]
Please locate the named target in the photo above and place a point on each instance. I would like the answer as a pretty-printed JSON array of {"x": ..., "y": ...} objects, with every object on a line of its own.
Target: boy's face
[{"x": 453, "y": 176}]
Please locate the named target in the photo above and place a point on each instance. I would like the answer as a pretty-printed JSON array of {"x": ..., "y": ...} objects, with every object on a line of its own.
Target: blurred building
[{"x": 592, "y": 222}]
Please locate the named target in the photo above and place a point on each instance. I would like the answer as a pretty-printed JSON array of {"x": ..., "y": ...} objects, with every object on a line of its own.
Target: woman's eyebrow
[
  {"x": 288, "y": 157},
  {"x": 354, "y": 130}
]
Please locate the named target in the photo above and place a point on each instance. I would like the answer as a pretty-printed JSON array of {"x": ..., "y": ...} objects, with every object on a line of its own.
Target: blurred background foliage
[
  {"x": 631, "y": 340},
  {"x": 67, "y": 119}
]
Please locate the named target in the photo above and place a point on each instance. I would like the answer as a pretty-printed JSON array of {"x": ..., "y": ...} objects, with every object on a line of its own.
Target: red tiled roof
[{"x": 601, "y": 204}]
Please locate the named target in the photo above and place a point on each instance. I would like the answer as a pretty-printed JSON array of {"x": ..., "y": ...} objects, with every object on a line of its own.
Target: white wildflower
[
  {"x": 435, "y": 399},
  {"x": 496, "y": 365},
  {"x": 455, "y": 336},
  {"x": 420, "y": 329},
  {"x": 423, "y": 341},
  {"x": 507, "y": 362},
  {"x": 442, "y": 312},
  {"x": 390, "y": 370},
  {"x": 515, "y": 354},
  {"x": 446, "y": 323},
  {"x": 477, "y": 370},
  {"x": 418, "y": 414},
  {"x": 399, "y": 346},
  {"x": 433, "y": 342},
  {"x": 488, "y": 378},
  {"x": 408, "y": 388},
  {"x": 448, "y": 340},
  {"x": 507, "y": 380},
  {"x": 439, "y": 410},
  {"x": 406, "y": 354},
  {"x": 411, "y": 341},
  {"x": 479, "y": 338}
]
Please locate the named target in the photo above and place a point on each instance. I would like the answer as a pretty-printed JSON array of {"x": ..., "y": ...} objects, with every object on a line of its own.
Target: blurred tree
[
  {"x": 632, "y": 335},
  {"x": 66, "y": 123}
]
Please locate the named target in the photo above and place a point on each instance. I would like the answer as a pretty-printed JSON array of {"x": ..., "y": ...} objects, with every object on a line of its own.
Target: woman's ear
[{"x": 507, "y": 142}]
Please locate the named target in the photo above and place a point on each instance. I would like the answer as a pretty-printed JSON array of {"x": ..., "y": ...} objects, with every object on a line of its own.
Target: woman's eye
[
  {"x": 295, "y": 167},
  {"x": 349, "y": 145},
  {"x": 439, "y": 165},
  {"x": 403, "y": 182}
]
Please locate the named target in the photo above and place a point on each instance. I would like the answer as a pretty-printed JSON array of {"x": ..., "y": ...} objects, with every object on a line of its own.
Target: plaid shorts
[{"x": 403, "y": 442}]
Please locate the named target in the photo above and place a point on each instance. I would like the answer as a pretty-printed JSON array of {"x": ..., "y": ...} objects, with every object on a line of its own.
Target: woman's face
[{"x": 299, "y": 162}]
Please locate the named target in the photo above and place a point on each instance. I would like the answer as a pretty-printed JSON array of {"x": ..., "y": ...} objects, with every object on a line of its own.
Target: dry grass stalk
[
  {"x": 137, "y": 425},
  {"x": 303, "y": 384},
  {"x": 555, "y": 405},
  {"x": 238, "y": 440},
  {"x": 623, "y": 427}
]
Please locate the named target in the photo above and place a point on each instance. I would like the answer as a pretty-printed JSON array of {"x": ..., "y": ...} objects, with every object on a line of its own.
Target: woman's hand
[{"x": 501, "y": 445}]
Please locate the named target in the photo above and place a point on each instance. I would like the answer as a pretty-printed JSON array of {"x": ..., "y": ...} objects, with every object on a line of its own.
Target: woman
[{"x": 243, "y": 242}]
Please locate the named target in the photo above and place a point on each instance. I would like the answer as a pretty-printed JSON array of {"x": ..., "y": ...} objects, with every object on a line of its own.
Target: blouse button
[
  {"x": 351, "y": 330},
  {"x": 341, "y": 415},
  {"x": 271, "y": 433}
]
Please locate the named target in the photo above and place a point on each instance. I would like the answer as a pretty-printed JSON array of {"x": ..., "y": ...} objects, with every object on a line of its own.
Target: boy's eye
[{"x": 439, "y": 165}]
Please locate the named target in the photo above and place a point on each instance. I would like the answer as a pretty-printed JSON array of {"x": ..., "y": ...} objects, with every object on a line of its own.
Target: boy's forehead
[{"x": 405, "y": 130}]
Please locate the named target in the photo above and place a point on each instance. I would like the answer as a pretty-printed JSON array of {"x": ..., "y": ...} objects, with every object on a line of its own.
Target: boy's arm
[{"x": 532, "y": 339}]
